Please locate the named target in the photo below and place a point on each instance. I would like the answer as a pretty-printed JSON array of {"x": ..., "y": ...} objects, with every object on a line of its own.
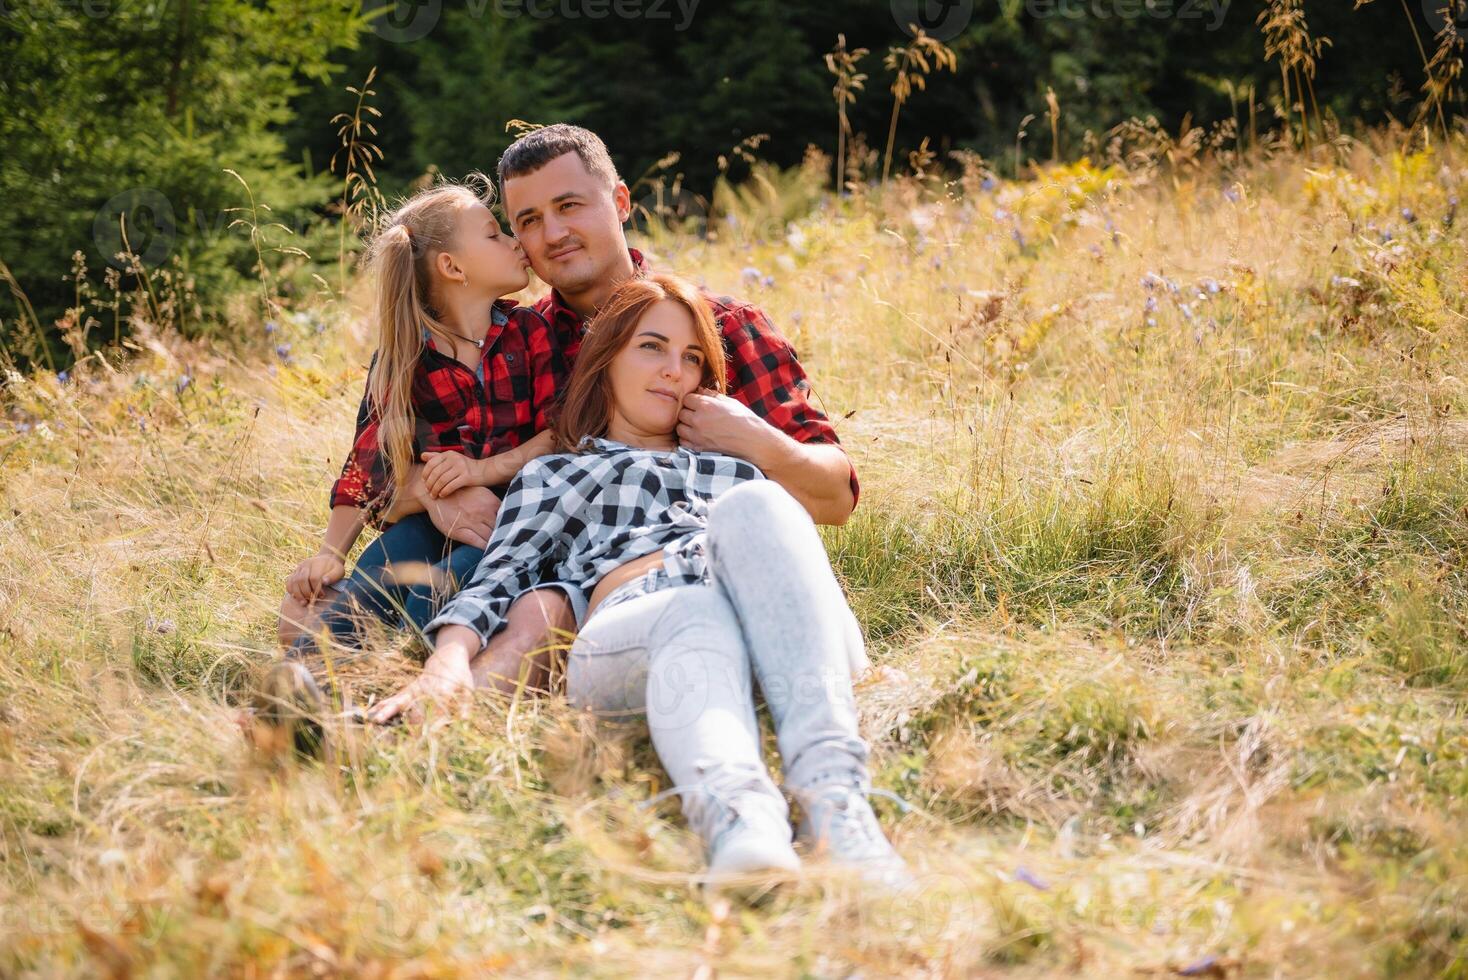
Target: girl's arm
[
  {"x": 502, "y": 467},
  {"x": 342, "y": 530},
  {"x": 330, "y": 563},
  {"x": 446, "y": 472}
]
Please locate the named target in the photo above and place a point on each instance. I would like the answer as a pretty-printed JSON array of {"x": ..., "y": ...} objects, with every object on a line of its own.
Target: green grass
[{"x": 1169, "y": 622}]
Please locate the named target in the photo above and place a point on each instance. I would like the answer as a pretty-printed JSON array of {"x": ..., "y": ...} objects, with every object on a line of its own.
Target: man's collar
[{"x": 560, "y": 309}]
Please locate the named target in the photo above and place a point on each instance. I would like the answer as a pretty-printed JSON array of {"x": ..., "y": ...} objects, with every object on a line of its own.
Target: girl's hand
[
  {"x": 445, "y": 472},
  {"x": 313, "y": 575},
  {"x": 443, "y": 681}
]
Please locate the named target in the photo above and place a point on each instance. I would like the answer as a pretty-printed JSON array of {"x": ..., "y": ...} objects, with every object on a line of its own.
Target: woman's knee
[{"x": 755, "y": 506}]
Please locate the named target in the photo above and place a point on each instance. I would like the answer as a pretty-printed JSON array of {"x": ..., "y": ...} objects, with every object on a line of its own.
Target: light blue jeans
[{"x": 685, "y": 656}]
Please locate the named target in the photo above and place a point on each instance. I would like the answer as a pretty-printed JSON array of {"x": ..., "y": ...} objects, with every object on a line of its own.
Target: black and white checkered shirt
[{"x": 571, "y": 518}]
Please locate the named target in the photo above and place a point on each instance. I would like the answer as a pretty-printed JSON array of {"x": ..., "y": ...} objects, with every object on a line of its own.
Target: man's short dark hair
[{"x": 540, "y": 146}]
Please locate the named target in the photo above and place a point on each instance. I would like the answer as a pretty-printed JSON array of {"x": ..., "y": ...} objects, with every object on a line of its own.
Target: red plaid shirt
[
  {"x": 764, "y": 372},
  {"x": 456, "y": 408}
]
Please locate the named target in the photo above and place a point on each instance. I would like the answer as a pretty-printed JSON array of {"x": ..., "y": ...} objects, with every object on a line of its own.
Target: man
[{"x": 567, "y": 206}]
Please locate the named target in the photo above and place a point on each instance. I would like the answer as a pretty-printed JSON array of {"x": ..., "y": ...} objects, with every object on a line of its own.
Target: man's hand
[
  {"x": 713, "y": 422},
  {"x": 818, "y": 475},
  {"x": 465, "y": 515},
  {"x": 445, "y": 472}
]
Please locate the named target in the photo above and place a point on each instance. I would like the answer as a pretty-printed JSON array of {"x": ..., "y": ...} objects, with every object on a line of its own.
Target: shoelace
[
  {"x": 844, "y": 822},
  {"x": 719, "y": 787}
]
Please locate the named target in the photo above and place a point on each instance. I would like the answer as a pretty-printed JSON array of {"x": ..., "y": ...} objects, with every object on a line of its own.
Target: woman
[{"x": 698, "y": 571}]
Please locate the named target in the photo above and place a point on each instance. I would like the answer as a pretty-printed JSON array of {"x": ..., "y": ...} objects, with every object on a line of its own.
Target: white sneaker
[
  {"x": 756, "y": 840},
  {"x": 836, "y": 821}
]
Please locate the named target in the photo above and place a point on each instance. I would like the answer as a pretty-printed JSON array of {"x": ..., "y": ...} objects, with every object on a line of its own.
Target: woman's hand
[
  {"x": 313, "y": 575},
  {"x": 445, "y": 472},
  {"x": 445, "y": 680}
]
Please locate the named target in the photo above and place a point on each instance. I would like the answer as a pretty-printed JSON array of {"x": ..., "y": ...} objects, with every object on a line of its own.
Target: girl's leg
[
  {"x": 677, "y": 656},
  {"x": 766, "y": 555},
  {"x": 401, "y": 557},
  {"x": 290, "y": 706}
]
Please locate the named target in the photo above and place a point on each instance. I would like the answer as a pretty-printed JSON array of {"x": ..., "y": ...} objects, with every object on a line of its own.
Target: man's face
[{"x": 569, "y": 223}]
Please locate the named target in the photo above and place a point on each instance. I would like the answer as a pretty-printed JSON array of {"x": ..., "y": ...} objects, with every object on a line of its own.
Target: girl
[
  {"x": 699, "y": 573},
  {"x": 461, "y": 381}
]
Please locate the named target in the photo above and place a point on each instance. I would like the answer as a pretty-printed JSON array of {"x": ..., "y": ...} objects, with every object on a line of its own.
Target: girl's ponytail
[
  {"x": 402, "y": 254},
  {"x": 400, "y": 312}
]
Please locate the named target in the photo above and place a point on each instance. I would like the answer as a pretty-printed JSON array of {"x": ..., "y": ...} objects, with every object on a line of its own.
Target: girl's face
[
  {"x": 483, "y": 258},
  {"x": 660, "y": 364}
]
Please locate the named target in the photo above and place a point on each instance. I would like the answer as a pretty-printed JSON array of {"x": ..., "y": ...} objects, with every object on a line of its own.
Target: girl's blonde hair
[
  {"x": 587, "y": 408},
  {"x": 402, "y": 255}
]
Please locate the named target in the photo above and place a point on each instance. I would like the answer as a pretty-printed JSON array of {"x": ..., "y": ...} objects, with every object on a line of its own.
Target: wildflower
[
  {"x": 270, "y": 328},
  {"x": 749, "y": 274},
  {"x": 1018, "y": 236},
  {"x": 797, "y": 318},
  {"x": 22, "y": 427},
  {"x": 1001, "y": 214},
  {"x": 1151, "y": 304},
  {"x": 1386, "y": 235},
  {"x": 1151, "y": 321},
  {"x": 63, "y": 376},
  {"x": 988, "y": 183},
  {"x": 1452, "y": 211},
  {"x": 1408, "y": 215},
  {"x": 1232, "y": 193},
  {"x": 768, "y": 282},
  {"x": 283, "y": 351},
  {"x": 1186, "y": 311},
  {"x": 184, "y": 380},
  {"x": 1029, "y": 878},
  {"x": 1210, "y": 285}
]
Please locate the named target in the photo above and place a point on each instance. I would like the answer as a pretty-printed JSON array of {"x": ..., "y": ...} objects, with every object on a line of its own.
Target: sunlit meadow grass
[{"x": 1162, "y": 553}]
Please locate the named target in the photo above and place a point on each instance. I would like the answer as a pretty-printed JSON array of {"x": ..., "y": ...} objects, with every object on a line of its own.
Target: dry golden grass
[{"x": 1161, "y": 553}]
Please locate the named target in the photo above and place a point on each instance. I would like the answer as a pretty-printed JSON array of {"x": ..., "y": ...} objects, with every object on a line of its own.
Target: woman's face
[
  {"x": 491, "y": 262},
  {"x": 660, "y": 364}
]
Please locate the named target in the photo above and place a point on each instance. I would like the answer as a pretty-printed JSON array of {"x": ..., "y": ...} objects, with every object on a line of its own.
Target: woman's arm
[{"x": 527, "y": 536}]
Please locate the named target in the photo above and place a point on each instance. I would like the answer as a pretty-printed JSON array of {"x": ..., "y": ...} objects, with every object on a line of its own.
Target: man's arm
[{"x": 816, "y": 474}]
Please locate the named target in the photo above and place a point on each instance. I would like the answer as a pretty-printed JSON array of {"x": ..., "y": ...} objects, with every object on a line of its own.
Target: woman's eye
[
  {"x": 651, "y": 345},
  {"x": 694, "y": 359}
]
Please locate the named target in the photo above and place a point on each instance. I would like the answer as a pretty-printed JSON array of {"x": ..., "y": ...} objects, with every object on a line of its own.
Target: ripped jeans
[{"x": 685, "y": 656}]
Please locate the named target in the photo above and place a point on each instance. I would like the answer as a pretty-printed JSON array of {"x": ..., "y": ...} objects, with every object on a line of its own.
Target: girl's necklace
[{"x": 477, "y": 343}]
